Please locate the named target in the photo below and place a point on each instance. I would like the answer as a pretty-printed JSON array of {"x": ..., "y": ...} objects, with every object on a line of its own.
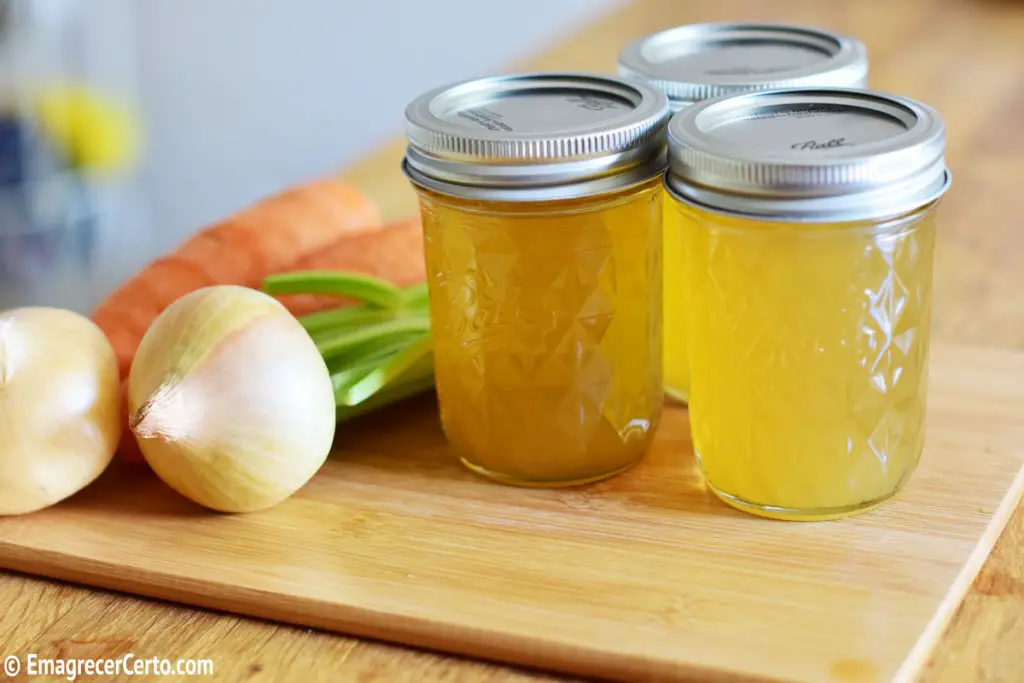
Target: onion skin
[
  {"x": 60, "y": 406},
  {"x": 230, "y": 400}
]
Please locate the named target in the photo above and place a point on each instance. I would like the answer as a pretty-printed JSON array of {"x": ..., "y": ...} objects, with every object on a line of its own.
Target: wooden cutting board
[{"x": 643, "y": 577}]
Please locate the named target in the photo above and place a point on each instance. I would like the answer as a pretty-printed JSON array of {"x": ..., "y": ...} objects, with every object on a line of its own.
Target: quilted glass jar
[
  {"x": 809, "y": 221},
  {"x": 541, "y": 204},
  {"x": 701, "y": 61}
]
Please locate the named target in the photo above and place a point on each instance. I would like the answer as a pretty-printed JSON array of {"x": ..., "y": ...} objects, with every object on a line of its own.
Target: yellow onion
[
  {"x": 230, "y": 400},
  {"x": 60, "y": 406}
]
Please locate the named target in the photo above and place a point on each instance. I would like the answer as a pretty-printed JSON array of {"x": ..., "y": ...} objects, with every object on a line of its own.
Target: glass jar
[
  {"x": 540, "y": 199},
  {"x": 66, "y": 151},
  {"x": 701, "y": 61},
  {"x": 809, "y": 222},
  {"x": 46, "y": 226}
]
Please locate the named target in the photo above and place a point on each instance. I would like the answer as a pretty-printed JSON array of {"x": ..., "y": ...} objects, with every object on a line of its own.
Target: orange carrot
[
  {"x": 264, "y": 238},
  {"x": 243, "y": 249},
  {"x": 394, "y": 253}
]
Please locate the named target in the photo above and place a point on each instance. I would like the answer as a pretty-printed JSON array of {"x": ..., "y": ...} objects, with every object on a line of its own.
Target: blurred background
[{"x": 128, "y": 125}]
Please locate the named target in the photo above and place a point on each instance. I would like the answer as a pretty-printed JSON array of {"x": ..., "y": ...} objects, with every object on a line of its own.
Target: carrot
[
  {"x": 261, "y": 239},
  {"x": 394, "y": 253}
]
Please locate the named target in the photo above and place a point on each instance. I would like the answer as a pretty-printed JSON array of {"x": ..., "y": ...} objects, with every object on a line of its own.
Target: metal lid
[
  {"x": 822, "y": 154},
  {"x": 702, "y": 61},
  {"x": 535, "y": 137}
]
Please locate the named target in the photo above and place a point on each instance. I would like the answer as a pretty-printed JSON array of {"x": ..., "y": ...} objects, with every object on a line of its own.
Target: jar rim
[
  {"x": 760, "y": 56},
  {"x": 592, "y": 187},
  {"x": 788, "y": 213},
  {"x": 536, "y": 136},
  {"x": 813, "y": 154}
]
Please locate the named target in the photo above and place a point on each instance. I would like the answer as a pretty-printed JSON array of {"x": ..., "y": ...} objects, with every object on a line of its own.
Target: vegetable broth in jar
[
  {"x": 810, "y": 225},
  {"x": 702, "y": 61},
  {"x": 540, "y": 199}
]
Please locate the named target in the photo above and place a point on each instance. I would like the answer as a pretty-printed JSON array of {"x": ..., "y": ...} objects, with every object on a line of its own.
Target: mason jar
[
  {"x": 541, "y": 208},
  {"x": 810, "y": 217},
  {"x": 701, "y": 61}
]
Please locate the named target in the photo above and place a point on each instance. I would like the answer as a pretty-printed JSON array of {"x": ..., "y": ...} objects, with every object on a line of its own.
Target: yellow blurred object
[{"x": 96, "y": 133}]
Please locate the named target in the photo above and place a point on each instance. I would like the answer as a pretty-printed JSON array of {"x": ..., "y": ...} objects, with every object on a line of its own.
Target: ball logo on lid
[{"x": 822, "y": 144}]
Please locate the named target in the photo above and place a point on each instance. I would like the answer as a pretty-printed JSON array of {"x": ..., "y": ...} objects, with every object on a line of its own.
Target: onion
[
  {"x": 60, "y": 407},
  {"x": 230, "y": 400}
]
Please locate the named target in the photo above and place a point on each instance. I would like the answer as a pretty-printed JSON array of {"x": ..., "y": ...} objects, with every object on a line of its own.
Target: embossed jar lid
[
  {"x": 702, "y": 61},
  {"x": 534, "y": 137},
  {"x": 821, "y": 154}
]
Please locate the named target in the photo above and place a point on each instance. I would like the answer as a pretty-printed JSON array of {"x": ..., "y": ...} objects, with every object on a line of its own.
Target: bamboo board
[{"x": 642, "y": 577}]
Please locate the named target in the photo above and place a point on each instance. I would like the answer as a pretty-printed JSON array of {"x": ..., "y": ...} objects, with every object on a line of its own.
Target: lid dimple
[
  {"x": 565, "y": 134},
  {"x": 806, "y": 154},
  {"x": 702, "y": 61}
]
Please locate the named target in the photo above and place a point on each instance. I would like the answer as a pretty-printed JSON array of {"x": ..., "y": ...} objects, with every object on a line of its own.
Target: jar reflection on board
[
  {"x": 541, "y": 207},
  {"x": 810, "y": 223},
  {"x": 701, "y": 61}
]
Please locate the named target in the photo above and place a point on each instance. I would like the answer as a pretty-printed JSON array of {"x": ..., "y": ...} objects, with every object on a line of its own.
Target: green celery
[
  {"x": 353, "y": 368},
  {"x": 387, "y": 397},
  {"x": 344, "y": 379},
  {"x": 345, "y": 317},
  {"x": 414, "y": 304},
  {"x": 369, "y": 352},
  {"x": 341, "y": 341},
  {"x": 389, "y": 372},
  {"x": 370, "y": 349},
  {"x": 416, "y": 297},
  {"x": 378, "y": 351},
  {"x": 336, "y": 283}
]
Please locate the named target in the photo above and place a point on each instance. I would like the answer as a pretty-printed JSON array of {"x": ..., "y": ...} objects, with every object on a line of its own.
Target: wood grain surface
[
  {"x": 965, "y": 57},
  {"x": 646, "y": 576}
]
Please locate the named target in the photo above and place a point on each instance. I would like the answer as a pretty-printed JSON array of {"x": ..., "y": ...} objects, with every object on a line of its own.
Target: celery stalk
[
  {"x": 346, "y": 317},
  {"x": 413, "y": 303},
  {"x": 336, "y": 283},
  {"x": 372, "y": 348},
  {"x": 416, "y": 296},
  {"x": 343, "y": 380},
  {"x": 347, "y": 371},
  {"x": 387, "y": 397},
  {"x": 344, "y": 340},
  {"x": 378, "y": 351},
  {"x": 388, "y": 373}
]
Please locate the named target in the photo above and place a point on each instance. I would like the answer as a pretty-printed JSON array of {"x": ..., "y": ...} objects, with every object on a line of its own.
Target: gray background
[
  {"x": 240, "y": 98},
  {"x": 245, "y": 96}
]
